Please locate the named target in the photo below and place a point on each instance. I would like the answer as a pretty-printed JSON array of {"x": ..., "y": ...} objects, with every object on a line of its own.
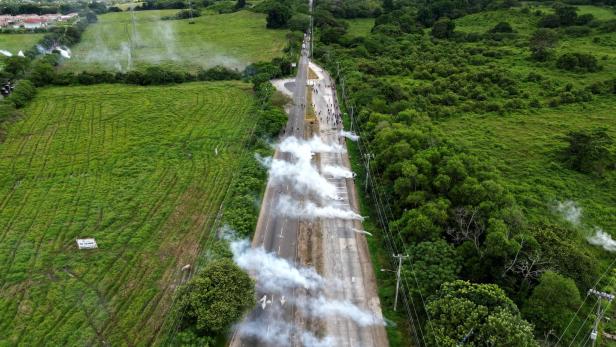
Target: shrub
[
  {"x": 577, "y": 31},
  {"x": 584, "y": 19},
  {"x": 502, "y": 27},
  {"x": 550, "y": 21},
  {"x": 24, "y": 92},
  {"x": 443, "y": 28},
  {"x": 578, "y": 62},
  {"x": 218, "y": 73},
  {"x": 589, "y": 151}
]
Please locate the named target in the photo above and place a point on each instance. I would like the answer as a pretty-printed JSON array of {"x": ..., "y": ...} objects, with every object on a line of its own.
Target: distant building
[{"x": 33, "y": 21}]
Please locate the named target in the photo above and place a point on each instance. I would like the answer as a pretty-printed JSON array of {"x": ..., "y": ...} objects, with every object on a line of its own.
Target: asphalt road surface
[
  {"x": 345, "y": 257},
  {"x": 345, "y": 250},
  {"x": 277, "y": 233}
]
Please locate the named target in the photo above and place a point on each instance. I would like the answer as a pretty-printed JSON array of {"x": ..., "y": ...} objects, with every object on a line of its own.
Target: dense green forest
[{"x": 491, "y": 125}]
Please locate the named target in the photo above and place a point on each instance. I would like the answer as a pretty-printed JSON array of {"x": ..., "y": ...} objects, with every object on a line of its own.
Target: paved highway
[
  {"x": 343, "y": 255},
  {"x": 277, "y": 233}
]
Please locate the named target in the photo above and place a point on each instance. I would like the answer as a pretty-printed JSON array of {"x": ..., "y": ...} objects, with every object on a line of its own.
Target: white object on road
[{"x": 86, "y": 243}]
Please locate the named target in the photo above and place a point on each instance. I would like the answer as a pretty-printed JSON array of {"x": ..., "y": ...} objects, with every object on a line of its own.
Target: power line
[
  {"x": 380, "y": 209},
  {"x": 586, "y": 298}
]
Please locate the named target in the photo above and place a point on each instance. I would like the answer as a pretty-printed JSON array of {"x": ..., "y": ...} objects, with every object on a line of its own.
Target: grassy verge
[{"x": 19, "y": 42}]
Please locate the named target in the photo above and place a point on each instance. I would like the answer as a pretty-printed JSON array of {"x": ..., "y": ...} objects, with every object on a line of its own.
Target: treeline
[
  {"x": 63, "y": 8},
  {"x": 480, "y": 270}
]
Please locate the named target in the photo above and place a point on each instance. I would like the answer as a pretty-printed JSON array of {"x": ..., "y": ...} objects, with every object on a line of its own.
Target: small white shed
[{"x": 86, "y": 243}]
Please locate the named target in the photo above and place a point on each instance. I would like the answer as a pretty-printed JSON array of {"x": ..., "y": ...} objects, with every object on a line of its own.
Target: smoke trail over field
[
  {"x": 149, "y": 42},
  {"x": 570, "y": 211},
  {"x": 573, "y": 213},
  {"x": 6, "y": 53},
  {"x": 603, "y": 239}
]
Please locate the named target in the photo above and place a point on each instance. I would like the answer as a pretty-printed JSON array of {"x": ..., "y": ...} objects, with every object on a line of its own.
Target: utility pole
[
  {"x": 190, "y": 13},
  {"x": 600, "y": 312},
  {"x": 400, "y": 257},
  {"x": 367, "y": 157}
]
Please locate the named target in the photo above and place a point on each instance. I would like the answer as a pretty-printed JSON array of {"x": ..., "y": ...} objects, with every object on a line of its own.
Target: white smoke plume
[
  {"x": 603, "y": 239},
  {"x": 299, "y": 172},
  {"x": 337, "y": 171},
  {"x": 349, "y": 135},
  {"x": 299, "y": 148},
  {"x": 570, "y": 211},
  {"x": 64, "y": 51},
  {"x": 287, "y": 206},
  {"x": 21, "y": 54},
  {"x": 301, "y": 175},
  {"x": 323, "y": 307},
  {"x": 276, "y": 274},
  {"x": 6, "y": 53}
]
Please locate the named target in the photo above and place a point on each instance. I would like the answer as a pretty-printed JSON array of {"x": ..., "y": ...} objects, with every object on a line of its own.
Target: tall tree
[
  {"x": 589, "y": 150},
  {"x": 552, "y": 304},
  {"x": 541, "y": 42},
  {"x": 479, "y": 315},
  {"x": 278, "y": 16},
  {"x": 217, "y": 297}
]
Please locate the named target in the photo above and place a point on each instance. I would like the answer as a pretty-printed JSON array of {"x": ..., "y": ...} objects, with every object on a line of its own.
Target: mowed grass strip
[
  {"x": 234, "y": 40},
  {"x": 19, "y": 42},
  {"x": 133, "y": 167}
]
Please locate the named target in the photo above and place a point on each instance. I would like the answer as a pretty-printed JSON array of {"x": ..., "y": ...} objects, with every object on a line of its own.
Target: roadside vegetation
[{"x": 492, "y": 130}]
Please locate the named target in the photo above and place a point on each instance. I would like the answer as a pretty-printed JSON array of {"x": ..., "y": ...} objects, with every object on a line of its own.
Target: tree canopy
[
  {"x": 216, "y": 297},
  {"x": 478, "y": 315}
]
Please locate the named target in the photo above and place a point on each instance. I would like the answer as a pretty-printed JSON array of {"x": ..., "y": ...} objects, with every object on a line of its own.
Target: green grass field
[
  {"x": 360, "y": 26},
  {"x": 16, "y": 42},
  {"x": 233, "y": 40},
  {"x": 517, "y": 54},
  {"x": 526, "y": 146},
  {"x": 526, "y": 143},
  {"x": 135, "y": 168}
]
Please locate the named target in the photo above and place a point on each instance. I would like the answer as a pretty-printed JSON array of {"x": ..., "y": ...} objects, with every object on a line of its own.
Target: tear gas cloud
[
  {"x": 349, "y": 135},
  {"x": 275, "y": 275},
  {"x": 287, "y": 206},
  {"x": 300, "y": 174},
  {"x": 570, "y": 211},
  {"x": 299, "y": 148},
  {"x": 6, "y": 53},
  {"x": 337, "y": 171},
  {"x": 602, "y": 239},
  {"x": 152, "y": 43}
]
